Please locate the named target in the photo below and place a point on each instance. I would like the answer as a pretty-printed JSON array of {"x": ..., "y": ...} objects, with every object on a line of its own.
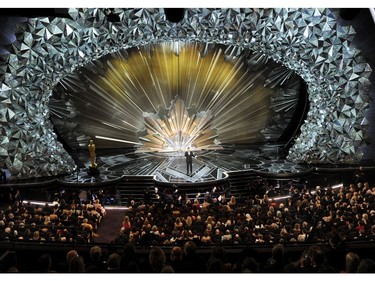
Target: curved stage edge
[{"x": 210, "y": 168}]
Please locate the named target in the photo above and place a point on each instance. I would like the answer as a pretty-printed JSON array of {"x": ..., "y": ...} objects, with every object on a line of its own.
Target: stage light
[
  {"x": 279, "y": 198},
  {"x": 337, "y": 186},
  {"x": 117, "y": 140},
  {"x": 37, "y": 203},
  {"x": 372, "y": 11},
  {"x": 176, "y": 48}
]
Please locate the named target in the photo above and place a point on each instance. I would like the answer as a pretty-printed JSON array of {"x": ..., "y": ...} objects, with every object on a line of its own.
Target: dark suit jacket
[{"x": 189, "y": 156}]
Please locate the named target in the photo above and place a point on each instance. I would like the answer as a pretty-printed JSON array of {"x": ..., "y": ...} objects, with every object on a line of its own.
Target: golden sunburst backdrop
[{"x": 133, "y": 98}]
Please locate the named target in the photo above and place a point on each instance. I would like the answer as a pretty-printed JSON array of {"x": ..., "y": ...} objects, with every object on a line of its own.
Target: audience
[
  {"x": 305, "y": 217},
  {"x": 57, "y": 223},
  {"x": 327, "y": 218}
]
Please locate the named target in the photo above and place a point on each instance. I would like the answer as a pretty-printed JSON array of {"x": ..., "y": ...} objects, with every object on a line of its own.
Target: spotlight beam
[
  {"x": 117, "y": 140},
  {"x": 224, "y": 100}
]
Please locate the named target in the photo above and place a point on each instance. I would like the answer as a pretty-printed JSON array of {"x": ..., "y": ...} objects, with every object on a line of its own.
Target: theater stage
[{"x": 171, "y": 167}]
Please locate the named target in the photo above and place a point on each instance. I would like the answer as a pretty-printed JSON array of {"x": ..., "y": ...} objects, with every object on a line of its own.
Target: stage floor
[{"x": 207, "y": 166}]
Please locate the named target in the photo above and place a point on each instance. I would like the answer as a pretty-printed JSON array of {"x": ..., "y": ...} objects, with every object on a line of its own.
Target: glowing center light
[
  {"x": 178, "y": 130},
  {"x": 118, "y": 89}
]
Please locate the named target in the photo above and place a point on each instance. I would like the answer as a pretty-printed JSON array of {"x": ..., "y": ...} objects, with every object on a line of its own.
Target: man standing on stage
[{"x": 189, "y": 161}]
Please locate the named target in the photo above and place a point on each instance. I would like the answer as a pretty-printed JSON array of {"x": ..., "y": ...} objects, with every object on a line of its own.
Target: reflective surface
[
  {"x": 171, "y": 167},
  {"x": 307, "y": 41},
  {"x": 152, "y": 97}
]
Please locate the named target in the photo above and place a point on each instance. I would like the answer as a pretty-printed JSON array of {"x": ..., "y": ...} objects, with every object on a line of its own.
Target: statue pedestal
[{"x": 93, "y": 171}]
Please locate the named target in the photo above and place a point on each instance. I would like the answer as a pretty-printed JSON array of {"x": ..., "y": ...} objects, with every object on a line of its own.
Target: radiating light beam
[
  {"x": 227, "y": 97},
  {"x": 117, "y": 140}
]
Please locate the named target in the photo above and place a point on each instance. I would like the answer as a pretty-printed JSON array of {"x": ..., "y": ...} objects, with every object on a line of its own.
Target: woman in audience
[
  {"x": 126, "y": 224},
  {"x": 178, "y": 225},
  {"x": 206, "y": 239},
  {"x": 352, "y": 261}
]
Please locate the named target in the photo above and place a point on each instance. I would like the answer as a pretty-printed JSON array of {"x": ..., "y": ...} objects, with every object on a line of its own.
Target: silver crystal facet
[{"x": 308, "y": 41}]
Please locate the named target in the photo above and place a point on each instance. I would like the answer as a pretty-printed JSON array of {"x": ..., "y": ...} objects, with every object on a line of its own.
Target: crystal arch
[{"x": 308, "y": 41}]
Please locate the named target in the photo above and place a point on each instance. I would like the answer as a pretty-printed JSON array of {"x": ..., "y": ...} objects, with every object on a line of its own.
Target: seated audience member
[
  {"x": 157, "y": 259},
  {"x": 366, "y": 265},
  {"x": 9, "y": 262},
  {"x": 278, "y": 260},
  {"x": 192, "y": 262},
  {"x": 206, "y": 238},
  {"x": 126, "y": 224},
  {"x": 64, "y": 266},
  {"x": 99, "y": 207},
  {"x": 113, "y": 263},
  {"x": 176, "y": 259},
  {"x": 44, "y": 264},
  {"x": 129, "y": 261},
  {"x": 220, "y": 253},
  {"x": 96, "y": 262},
  {"x": 227, "y": 237},
  {"x": 336, "y": 251},
  {"x": 77, "y": 265},
  {"x": 250, "y": 265},
  {"x": 352, "y": 262},
  {"x": 215, "y": 265}
]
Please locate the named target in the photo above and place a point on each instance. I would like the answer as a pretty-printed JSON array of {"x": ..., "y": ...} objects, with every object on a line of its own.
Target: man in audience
[
  {"x": 192, "y": 262},
  {"x": 176, "y": 259},
  {"x": 96, "y": 263},
  {"x": 113, "y": 263}
]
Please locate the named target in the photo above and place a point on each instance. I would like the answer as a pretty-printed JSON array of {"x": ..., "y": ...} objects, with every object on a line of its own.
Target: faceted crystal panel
[{"x": 308, "y": 41}]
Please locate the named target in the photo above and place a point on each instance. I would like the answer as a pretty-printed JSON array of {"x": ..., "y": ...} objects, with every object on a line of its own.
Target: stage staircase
[
  {"x": 134, "y": 188},
  {"x": 240, "y": 183}
]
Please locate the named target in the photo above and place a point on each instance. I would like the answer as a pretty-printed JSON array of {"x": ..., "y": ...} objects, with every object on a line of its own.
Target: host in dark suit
[{"x": 189, "y": 161}]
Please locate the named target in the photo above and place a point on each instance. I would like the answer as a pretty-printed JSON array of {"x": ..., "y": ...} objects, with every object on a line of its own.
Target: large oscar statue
[{"x": 93, "y": 169}]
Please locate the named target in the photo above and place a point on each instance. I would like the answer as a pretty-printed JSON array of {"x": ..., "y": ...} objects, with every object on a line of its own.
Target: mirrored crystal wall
[{"x": 308, "y": 41}]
